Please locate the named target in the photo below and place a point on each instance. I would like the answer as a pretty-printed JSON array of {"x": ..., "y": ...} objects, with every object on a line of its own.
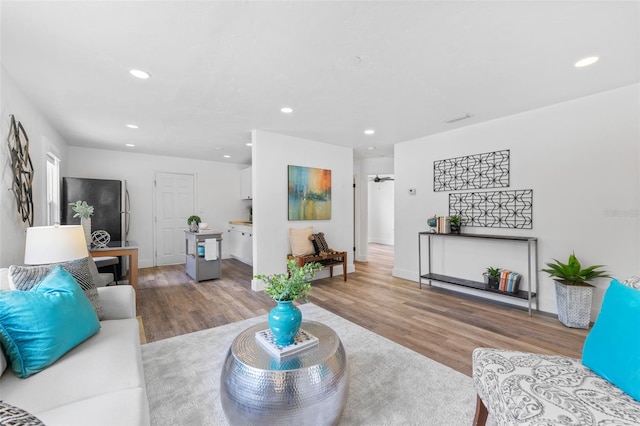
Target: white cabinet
[
  {"x": 241, "y": 243},
  {"x": 246, "y": 186}
]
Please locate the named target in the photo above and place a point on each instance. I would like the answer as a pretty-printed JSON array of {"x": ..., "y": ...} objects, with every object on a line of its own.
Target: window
[{"x": 53, "y": 189}]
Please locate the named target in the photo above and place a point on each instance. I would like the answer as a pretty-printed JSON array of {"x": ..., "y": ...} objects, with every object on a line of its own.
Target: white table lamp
[{"x": 53, "y": 244}]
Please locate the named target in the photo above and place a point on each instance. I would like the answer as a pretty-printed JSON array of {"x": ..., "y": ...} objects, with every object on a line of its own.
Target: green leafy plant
[
  {"x": 194, "y": 218},
  {"x": 82, "y": 209},
  {"x": 292, "y": 286},
  {"x": 571, "y": 273},
  {"x": 455, "y": 220},
  {"x": 493, "y": 272}
]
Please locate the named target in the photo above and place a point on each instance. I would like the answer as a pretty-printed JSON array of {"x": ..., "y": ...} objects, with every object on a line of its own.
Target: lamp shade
[{"x": 53, "y": 244}]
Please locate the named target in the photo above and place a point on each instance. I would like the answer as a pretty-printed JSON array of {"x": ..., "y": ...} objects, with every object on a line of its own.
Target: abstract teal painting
[{"x": 309, "y": 193}]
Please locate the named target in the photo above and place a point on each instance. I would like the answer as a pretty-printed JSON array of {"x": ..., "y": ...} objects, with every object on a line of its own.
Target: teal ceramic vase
[{"x": 284, "y": 322}]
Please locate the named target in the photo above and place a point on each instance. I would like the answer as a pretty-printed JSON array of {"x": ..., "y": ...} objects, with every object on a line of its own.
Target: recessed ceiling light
[
  {"x": 585, "y": 62},
  {"x": 132, "y": 126},
  {"x": 249, "y": 144},
  {"x": 130, "y": 145},
  {"x": 139, "y": 74},
  {"x": 286, "y": 110},
  {"x": 369, "y": 132},
  {"x": 371, "y": 148},
  {"x": 226, "y": 156}
]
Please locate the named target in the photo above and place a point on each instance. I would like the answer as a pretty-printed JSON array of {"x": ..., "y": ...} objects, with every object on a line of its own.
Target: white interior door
[{"x": 175, "y": 202}]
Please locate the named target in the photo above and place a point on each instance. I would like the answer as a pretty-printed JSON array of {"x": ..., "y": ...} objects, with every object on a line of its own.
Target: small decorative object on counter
[
  {"x": 194, "y": 222},
  {"x": 285, "y": 318},
  {"x": 100, "y": 238},
  {"x": 433, "y": 223}
]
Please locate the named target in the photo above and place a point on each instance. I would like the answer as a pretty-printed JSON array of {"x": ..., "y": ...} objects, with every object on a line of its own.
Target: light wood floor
[{"x": 442, "y": 325}]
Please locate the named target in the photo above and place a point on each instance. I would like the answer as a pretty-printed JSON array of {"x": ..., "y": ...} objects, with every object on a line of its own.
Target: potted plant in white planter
[
  {"x": 285, "y": 288},
  {"x": 84, "y": 211},
  {"x": 573, "y": 292}
]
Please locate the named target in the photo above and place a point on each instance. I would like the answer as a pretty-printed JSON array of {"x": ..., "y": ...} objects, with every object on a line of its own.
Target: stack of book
[
  {"x": 302, "y": 342},
  {"x": 509, "y": 281},
  {"x": 444, "y": 225}
]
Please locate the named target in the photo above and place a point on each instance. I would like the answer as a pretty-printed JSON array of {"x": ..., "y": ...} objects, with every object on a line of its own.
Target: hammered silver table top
[{"x": 308, "y": 388}]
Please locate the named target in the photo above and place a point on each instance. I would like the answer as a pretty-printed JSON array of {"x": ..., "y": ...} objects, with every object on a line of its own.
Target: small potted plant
[
  {"x": 573, "y": 292},
  {"x": 492, "y": 277},
  {"x": 193, "y": 221},
  {"x": 285, "y": 288},
  {"x": 456, "y": 223}
]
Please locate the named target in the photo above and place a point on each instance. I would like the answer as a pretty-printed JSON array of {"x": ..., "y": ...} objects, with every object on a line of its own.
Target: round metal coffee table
[{"x": 309, "y": 388}]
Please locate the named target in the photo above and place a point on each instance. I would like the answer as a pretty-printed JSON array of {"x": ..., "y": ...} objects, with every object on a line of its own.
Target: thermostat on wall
[{"x": 412, "y": 191}]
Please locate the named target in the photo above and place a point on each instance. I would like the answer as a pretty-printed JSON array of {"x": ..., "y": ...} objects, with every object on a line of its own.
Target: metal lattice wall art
[
  {"x": 494, "y": 209},
  {"x": 478, "y": 171},
  {"x": 22, "y": 169}
]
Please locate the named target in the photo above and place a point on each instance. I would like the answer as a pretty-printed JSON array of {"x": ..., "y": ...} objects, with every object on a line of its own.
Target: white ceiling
[{"x": 221, "y": 69}]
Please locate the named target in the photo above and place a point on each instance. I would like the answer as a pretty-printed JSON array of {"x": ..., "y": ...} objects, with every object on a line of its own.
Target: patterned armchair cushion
[{"x": 521, "y": 388}]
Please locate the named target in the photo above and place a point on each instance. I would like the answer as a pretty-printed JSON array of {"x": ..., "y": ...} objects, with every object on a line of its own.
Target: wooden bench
[{"x": 327, "y": 260}]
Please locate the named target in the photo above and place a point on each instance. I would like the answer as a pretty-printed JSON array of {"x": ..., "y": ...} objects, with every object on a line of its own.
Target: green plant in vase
[
  {"x": 285, "y": 288},
  {"x": 456, "y": 223},
  {"x": 193, "y": 221},
  {"x": 492, "y": 277}
]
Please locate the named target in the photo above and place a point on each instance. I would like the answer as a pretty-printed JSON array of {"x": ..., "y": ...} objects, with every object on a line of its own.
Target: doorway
[
  {"x": 380, "y": 209},
  {"x": 174, "y": 203}
]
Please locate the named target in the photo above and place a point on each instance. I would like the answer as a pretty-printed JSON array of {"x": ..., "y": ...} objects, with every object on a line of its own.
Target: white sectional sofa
[{"x": 99, "y": 382}]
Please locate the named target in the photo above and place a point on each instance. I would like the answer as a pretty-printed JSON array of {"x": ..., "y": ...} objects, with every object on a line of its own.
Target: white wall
[
  {"x": 217, "y": 189},
  {"x": 580, "y": 158},
  {"x": 381, "y": 211},
  {"x": 362, "y": 169},
  {"x": 42, "y": 139},
  {"x": 272, "y": 153}
]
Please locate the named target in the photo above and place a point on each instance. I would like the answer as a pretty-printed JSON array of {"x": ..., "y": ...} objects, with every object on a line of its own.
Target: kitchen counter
[{"x": 241, "y": 240}]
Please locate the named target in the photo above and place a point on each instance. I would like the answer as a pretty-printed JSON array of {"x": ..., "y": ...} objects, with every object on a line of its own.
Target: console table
[{"x": 532, "y": 270}]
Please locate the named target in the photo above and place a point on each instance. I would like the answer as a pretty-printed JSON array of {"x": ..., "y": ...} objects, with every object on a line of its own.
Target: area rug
[{"x": 389, "y": 384}]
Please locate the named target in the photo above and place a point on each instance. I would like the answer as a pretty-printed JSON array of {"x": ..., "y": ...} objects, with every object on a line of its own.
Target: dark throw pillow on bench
[{"x": 319, "y": 243}]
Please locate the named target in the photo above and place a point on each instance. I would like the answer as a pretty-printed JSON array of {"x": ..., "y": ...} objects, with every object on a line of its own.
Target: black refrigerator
[{"x": 110, "y": 201}]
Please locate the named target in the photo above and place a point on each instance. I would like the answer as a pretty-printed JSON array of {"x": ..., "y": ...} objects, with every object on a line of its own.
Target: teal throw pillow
[
  {"x": 612, "y": 348},
  {"x": 40, "y": 325}
]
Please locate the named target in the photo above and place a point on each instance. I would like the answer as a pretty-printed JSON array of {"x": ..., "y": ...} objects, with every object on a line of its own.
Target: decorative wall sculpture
[
  {"x": 22, "y": 168},
  {"x": 309, "y": 193},
  {"x": 478, "y": 171},
  {"x": 494, "y": 209}
]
